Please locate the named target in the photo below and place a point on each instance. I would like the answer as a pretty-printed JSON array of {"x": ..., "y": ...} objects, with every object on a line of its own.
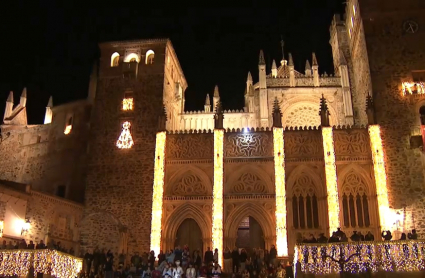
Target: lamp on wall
[{"x": 25, "y": 226}]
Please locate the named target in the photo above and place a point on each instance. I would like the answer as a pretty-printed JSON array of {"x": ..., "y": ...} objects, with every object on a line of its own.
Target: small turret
[
  {"x": 291, "y": 68},
  {"x": 324, "y": 112},
  {"x": 162, "y": 120},
  {"x": 315, "y": 68},
  {"x": 23, "y": 100},
  {"x": 274, "y": 69},
  {"x": 219, "y": 116},
  {"x": 9, "y": 106},
  {"x": 248, "y": 82},
  {"x": 277, "y": 115},
  {"x": 216, "y": 97},
  {"x": 262, "y": 82},
  {"x": 307, "y": 68},
  {"x": 207, "y": 106},
  {"x": 261, "y": 60},
  {"x": 49, "y": 115},
  {"x": 370, "y": 110}
]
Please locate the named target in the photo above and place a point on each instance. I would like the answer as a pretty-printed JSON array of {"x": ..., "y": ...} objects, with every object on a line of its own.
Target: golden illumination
[
  {"x": 380, "y": 175},
  {"x": 68, "y": 129},
  {"x": 127, "y": 104},
  {"x": 18, "y": 262},
  {"x": 1, "y": 228},
  {"x": 125, "y": 141},
  {"x": 158, "y": 190},
  {"x": 411, "y": 88},
  {"x": 279, "y": 173},
  {"x": 217, "y": 210},
  {"x": 331, "y": 179}
]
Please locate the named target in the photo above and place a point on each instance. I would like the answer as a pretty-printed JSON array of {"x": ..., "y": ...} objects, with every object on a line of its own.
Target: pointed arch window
[
  {"x": 125, "y": 140},
  {"x": 305, "y": 210},
  {"x": 355, "y": 202}
]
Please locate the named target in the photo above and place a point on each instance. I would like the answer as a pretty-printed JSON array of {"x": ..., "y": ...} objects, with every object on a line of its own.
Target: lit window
[
  {"x": 68, "y": 126},
  {"x": 132, "y": 57},
  {"x": 125, "y": 141},
  {"x": 127, "y": 104},
  {"x": 115, "y": 58},
  {"x": 150, "y": 55}
]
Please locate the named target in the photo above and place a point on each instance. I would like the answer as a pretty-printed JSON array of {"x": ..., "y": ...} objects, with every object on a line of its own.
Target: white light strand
[{"x": 217, "y": 210}]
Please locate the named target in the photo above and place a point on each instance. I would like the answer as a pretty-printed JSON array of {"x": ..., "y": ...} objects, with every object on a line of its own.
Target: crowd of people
[{"x": 22, "y": 244}]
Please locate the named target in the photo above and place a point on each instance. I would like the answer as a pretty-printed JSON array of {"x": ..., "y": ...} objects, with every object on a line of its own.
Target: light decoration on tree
[
  {"x": 57, "y": 264},
  {"x": 279, "y": 172},
  {"x": 125, "y": 141},
  {"x": 158, "y": 191},
  {"x": 380, "y": 175},
  {"x": 360, "y": 257},
  {"x": 217, "y": 209},
  {"x": 331, "y": 179},
  {"x": 412, "y": 88},
  {"x": 127, "y": 104}
]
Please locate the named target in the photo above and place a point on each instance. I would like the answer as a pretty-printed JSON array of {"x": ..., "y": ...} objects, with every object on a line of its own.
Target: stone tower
[
  {"x": 389, "y": 37},
  {"x": 136, "y": 79}
]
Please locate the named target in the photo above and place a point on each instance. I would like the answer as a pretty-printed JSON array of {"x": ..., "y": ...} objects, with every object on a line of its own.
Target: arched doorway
[
  {"x": 250, "y": 235},
  {"x": 189, "y": 234}
]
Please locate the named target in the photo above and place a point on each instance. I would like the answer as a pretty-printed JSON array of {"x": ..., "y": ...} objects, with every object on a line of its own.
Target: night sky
[{"x": 50, "y": 47}]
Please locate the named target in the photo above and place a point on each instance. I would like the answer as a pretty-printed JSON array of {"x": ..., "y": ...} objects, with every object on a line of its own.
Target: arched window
[
  {"x": 132, "y": 57},
  {"x": 355, "y": 205},
  {"x": 422, "y": 114},
  {"x": 150, "y": 55},
  {"x": 115, "y": 59},
  {"x": 304, "y": 204}
]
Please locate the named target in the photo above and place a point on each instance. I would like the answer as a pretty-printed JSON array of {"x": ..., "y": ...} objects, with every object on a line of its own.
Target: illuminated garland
[
  {"x": 279, "y": 172},
  {"x": 217, "y": 210},
  {"x": 413, "y": 88},
  {"x": 125, "y": 141},
  {"x": 358, "y": 257},
  {"x": 331, "y": 179},
  {"x": 57, "y": 264},
  {"x": 158, "y": 190},
  {"x": 380, "y": 175}
]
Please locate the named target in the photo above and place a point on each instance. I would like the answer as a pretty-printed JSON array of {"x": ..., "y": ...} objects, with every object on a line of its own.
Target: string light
[
  {"x": 279, "y": 171},
  {"x": 158, "y": 191},
  {"x": 410, "y": 88},
  {"x": 57, "y": 264},
  {"x": 380, "y": 175},
  {"x": 125, "y": 141},
  {"x": 360, "y": 257},
  {"x": 331, "y": 179},
  {"x": 217, "y": 210},
  {"x": 127, "y": 104}
]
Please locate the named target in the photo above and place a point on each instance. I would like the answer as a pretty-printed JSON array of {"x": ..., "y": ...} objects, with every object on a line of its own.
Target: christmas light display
[
  {"x": 410, "y": 88},
  {"x": 380, "y": 175},
  {"x": 158, "y": 191},
  {"x": 359, "y": 257},
  {"x": 57, "y": 264},
  {"x": 279, "y": 172},
  {"x": 67, "y": 130},
  {"x": 127, "y": 104},
  {"x": 125, "y": 141},
  {"x": 331, "y": 179},
  {"x": 217, "y": 210}
]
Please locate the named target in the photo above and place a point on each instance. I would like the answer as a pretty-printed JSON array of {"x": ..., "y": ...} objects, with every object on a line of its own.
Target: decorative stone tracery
[{"x": 249, "y": 183}]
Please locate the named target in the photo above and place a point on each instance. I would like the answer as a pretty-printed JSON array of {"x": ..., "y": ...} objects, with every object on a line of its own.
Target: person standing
[
  {"x": 235, "y": 260},
  {"x": 227, "y": 255},
  {"x": 273, "y": 255},
  {"x": 208, "y": 257}
]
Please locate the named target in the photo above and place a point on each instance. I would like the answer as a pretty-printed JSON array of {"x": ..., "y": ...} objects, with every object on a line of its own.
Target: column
[
  {"x": 380, "y": 175},
  {"x": 217, "y": 210},
  {"x": 158, "y": 190},
  {"x": 279, "y": 172},
  {"x": 331, "y": 179}
]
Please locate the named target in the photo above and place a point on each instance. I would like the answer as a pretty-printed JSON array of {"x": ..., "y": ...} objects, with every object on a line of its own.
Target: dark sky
[{"x": 50, "y": 46}]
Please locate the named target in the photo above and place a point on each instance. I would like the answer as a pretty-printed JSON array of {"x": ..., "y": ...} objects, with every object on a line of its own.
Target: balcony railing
[
  {"x": 360, "y": 257},
  {"x": 20, "y": 262}
]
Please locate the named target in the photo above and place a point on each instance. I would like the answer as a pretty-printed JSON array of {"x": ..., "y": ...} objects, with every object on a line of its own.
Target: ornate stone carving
[
  {"x": 189, "y": 185},
  {"x": 248, "y": 145},
  {"x": 303, "y": 144},
  {"x": 189, "y": 146},
  {"x": 303, "y": 186},
  {"x": 351, "y": 143},
  {"x": 330, "y": 82},
  {"x": 354, "y": 184},
  {"x": 249, "y": 183},
  {"x": 302, "y": 115}
]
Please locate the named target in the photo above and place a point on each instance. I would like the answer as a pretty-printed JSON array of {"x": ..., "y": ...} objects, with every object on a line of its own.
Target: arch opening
[
  {"x": 250, "y": 235},
  {"x": 150, "y": 55},
  {"x": 189, "y": 233},
  {"x": 115, "y": 59},
  {"x": 132, "y": 57}
]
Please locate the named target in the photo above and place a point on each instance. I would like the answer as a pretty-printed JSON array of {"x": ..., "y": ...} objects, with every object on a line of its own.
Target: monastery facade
[{"x": 307, "y": 153}]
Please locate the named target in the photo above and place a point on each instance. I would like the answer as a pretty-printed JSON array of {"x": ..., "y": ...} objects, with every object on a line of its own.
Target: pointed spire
[
  {"x": 10, "y": 97},
  {"x": 219, "y": 116},
  {"x": 207, "y": 100},
  {"x": 324, "y": 112},
  {"x": 314, "y": 59},
  {"x": 261, "y": 60},
  {"x": 274, "y": 65},
  {"x": 307, "y": 65},
  {"x": 370, "y": 110},
  {"x": 249, "y": 78},
  {"x": 24, "y": 92},
  {"x": 277, "y": 115},
  {"x": 216, "y": 94},
  {"x": 274, "y": 69},
  {"x": 23, "y": 100},
  {"x": 291, "y": 61},
  {"x": 50, "y": 103}
]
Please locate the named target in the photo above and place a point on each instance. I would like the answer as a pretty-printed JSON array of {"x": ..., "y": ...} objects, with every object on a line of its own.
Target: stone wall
[{"x": 393, "y": 54}]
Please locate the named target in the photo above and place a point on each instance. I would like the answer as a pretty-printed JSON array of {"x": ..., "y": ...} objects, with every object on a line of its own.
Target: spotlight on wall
[
  {"x": 25, "y": 226},
  {"x": 1, "y": 228}
]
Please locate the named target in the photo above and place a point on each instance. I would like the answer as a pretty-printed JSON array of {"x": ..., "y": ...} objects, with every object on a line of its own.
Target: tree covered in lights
[{"x": 125, "y": 140}]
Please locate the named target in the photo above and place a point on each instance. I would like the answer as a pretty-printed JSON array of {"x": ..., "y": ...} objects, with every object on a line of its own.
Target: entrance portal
[
  {"x": 189, "y": 234},
  {"x": 250, "y": 234}
]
